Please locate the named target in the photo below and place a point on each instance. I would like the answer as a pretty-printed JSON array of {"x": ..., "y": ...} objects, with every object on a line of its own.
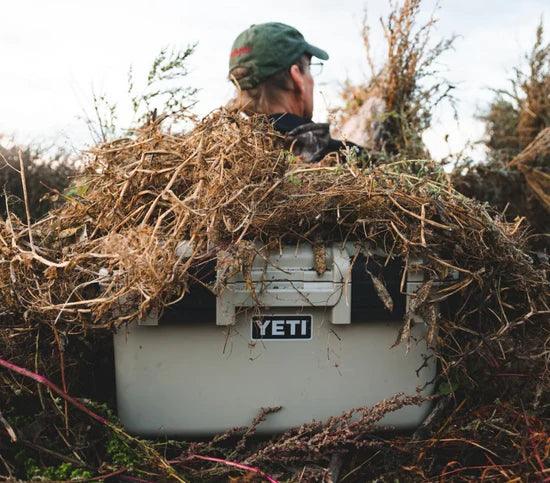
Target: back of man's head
[{"x": 261, "y": 67}]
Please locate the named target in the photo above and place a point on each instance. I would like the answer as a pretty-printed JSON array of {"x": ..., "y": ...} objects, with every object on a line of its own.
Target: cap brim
[{"x": 317, "y": 52}]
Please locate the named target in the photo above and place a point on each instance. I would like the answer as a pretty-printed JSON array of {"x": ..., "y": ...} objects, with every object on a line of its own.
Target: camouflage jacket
[{"x": 309, "y": 140}]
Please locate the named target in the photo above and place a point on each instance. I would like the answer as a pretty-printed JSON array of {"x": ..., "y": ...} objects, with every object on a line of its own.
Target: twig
[
  {"x": 46, "y": 382},
  {"x": 100, "y": 419},
  {"x": 235, "y": 465},
  {"x": 55, "y": 454},
  {"x": 8, "y": 428},
  {"x": 26, "y": 198},
  {"x": 60, "y": 352}
]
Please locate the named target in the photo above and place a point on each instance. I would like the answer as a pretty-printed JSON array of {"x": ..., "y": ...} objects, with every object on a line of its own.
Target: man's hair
[{"x": 259, "y": 99}]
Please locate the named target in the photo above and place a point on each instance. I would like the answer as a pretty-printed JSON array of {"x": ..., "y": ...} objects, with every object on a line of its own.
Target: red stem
[
  {"x": 42, "y": 380},
  {"x": 46, "y": 382},
  {"x": 236, "y": 465}
]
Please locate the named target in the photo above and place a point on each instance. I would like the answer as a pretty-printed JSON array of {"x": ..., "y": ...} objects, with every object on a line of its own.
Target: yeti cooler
[{"x": 315, "y": 344}]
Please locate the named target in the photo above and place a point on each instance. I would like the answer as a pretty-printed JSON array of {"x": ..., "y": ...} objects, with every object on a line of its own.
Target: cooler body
[{"x": 212, "y": 363}]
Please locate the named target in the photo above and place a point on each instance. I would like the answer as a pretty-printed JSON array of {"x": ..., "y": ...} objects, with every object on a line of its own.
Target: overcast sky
[{"x": 54, "y": 52}]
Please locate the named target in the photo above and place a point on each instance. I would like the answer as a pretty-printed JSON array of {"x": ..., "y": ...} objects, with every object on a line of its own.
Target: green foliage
[
  {"x": 75, "y": 191},
  {"x": 501, "y": 123},
  {"x": 295, "y": 180},
  {"x": 412, "y": 89},
  {"x": 353, "y": 157},
  {"x": 103, "y": 124},
  {"x": 518, "y": 113},
  {"x": 289, "y": 156},
  {"x": 408, "y": 83},
  {"x": 447, "y": 387},
  {"x": 162, "y": 92},
  {"x": 62, "y": 472},
  {"x": 121, "y": 453}
]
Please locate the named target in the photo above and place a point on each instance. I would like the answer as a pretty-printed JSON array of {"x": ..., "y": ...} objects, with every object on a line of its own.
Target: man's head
[{"x": 269, "y": 64}]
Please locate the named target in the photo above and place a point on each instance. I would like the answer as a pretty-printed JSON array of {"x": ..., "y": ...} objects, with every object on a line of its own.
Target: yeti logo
[{"x": 281, "y": 327}]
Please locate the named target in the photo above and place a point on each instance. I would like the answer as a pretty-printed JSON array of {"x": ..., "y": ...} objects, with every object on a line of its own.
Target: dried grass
[
  {"x": 395, "y": 106},
  {"x": 514, "y": 180},
  {"x": 109, "y": 255}
]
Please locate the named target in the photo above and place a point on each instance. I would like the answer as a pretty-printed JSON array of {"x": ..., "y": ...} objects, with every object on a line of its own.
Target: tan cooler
[{"x": 319, "y": 345}]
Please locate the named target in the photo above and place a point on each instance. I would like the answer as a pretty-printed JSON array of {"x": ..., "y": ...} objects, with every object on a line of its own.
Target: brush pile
[
  {"x": 389, "y": 112},
  {"x": 533, "y": 163},
  {"x": 518, "y": 188},
  {"x": 108, "y": 256},
  {"x": 514, "y": 180}
]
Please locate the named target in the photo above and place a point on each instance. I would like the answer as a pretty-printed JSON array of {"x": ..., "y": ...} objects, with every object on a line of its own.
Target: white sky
[{"x": 54, "y": 52}]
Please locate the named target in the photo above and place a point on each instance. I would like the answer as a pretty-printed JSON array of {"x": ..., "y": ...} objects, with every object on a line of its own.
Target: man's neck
[{"x": 287, "y": 105}]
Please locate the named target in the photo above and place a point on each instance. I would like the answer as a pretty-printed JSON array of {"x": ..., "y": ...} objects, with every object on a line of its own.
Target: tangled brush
[
  {"x": 389, "y": 112},
  {"x": 514, "y": 180},
  {"x": 109, "y": 255},
  {"x": 519, "y": 188}
]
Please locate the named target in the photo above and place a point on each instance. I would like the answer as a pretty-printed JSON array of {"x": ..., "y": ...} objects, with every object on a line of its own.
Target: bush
[{"x": 45, "y": 174}]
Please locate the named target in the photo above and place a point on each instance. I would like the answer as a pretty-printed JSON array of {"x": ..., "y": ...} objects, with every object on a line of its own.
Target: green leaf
[
  {"x": 446, "y": 388},
  {"x": 79, "y": 190}
]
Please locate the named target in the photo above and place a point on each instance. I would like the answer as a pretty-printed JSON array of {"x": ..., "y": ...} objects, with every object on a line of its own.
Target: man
[{"x": 270, "y": 64}]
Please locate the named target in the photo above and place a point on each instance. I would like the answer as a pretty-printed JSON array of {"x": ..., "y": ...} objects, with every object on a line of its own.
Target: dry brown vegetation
[
  {"x": 403, "y": 92},
  {"x": 514, "y": 180},
  {"x": 108, "y": 255}
]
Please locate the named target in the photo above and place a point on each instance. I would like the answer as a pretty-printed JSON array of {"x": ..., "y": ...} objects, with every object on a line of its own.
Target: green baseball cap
[{"x": 265, "y": 49}]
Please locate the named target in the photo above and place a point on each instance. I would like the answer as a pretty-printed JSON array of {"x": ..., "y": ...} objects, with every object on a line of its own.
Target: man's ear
[{"x": 297, "y": 78}]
